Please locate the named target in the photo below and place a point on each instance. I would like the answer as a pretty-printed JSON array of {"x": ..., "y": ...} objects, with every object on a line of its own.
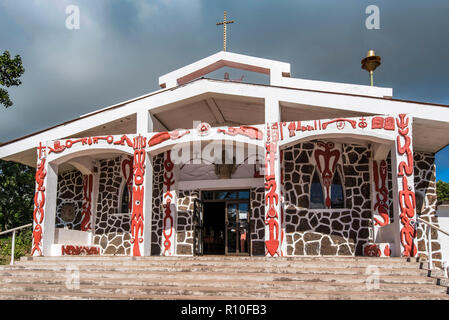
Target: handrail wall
[
  {"x": 429, "y": 244},
  {"x": 13, "y": 241}
]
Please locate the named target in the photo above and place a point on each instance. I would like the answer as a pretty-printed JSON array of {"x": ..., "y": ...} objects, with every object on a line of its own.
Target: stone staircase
[{"x": 218, "y": 277}]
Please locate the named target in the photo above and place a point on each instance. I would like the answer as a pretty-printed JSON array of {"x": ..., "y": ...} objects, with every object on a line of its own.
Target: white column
[
  {"x": 143, "y": 191},
  {"x": 148, "y": 205},
  {"x": 144, "y": 122},
  {"x": 273, "y": 209},
  {"x": 273, "y": 227},
  {"x": 137, "y": 215},
  {"x": 272, "y": 110},
  {"x": 404, "y": 202},
  {"x": 44, "y": 227},
  {"x": 169, "y": 213}
]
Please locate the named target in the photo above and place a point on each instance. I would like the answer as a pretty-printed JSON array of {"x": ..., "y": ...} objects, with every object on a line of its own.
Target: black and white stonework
[
  {"x": 69, "y": 195},
  {"x": 326, "y": 231},
  {"x": 426, "y": 196}
]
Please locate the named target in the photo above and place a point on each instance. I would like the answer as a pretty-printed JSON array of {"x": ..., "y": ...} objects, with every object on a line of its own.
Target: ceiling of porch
[{"x": 216, "y": 110}]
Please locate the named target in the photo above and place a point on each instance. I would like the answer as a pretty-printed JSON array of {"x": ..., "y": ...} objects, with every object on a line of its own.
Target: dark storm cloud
[{"x": 122, "y": 47}]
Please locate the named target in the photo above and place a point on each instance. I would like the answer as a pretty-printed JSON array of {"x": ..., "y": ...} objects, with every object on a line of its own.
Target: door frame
[
  {"x": 226, "y": 202},
  {"x": 198, "y": 228}
]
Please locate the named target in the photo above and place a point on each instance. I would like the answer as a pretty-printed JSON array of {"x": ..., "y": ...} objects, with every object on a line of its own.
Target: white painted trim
[
  {"x": 221, "y": 184},
  {"x": 221, "y": 59},
  {"x": 164, "y": 99}
]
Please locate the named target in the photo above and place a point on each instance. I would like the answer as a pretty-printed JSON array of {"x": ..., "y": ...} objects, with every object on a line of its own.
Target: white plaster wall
[
  {"x": 64, "y": 236},
  {"x": 443, "y": 220}
]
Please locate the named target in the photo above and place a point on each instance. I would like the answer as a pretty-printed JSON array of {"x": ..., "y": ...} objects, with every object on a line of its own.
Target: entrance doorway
[{"x": 226, "y": 222}]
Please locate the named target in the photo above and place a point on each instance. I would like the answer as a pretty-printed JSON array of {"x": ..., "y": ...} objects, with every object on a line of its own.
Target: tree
[
  {"x": 442, "y": 191},
  {"x": 16, "y": 194},
  {"x": 10, "y": 72}
]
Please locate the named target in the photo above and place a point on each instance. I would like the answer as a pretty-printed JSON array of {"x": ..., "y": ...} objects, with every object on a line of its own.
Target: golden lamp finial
[{"x": 370, "y": 63}]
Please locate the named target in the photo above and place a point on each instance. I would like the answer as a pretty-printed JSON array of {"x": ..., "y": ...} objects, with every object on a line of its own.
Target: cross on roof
[{"x": 224, "y": 23}]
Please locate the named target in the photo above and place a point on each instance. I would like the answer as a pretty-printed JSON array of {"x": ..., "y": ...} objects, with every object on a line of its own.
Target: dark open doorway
[
  {"x": 225, "y": 222},
  {"x": 214, "y": 227}
]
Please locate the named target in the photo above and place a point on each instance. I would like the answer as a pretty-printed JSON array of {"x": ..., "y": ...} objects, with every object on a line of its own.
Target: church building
[{"x": 204, "y": 166}]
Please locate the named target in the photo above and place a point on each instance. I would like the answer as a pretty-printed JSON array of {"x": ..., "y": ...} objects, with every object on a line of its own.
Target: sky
[{"x": 123, "y": 46}]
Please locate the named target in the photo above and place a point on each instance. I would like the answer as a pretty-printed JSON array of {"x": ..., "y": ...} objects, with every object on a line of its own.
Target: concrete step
[
  {"x": 207, "y": 291},
  {"x": 218, "y": 277},
  {"x": 118, "y": 258},
  {"x": 218, "y": 269},
  {"x": 237, "y": 263},
  {"x": 231, "y": 283},
  {"x": 212, "y": 276}
]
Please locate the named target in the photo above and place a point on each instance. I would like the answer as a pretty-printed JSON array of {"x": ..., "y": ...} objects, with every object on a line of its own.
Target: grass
[{"x": 22, "y": 247}]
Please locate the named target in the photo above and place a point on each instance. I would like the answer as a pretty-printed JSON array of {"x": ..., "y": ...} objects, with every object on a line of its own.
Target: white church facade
[{"x": 204, "y": 166}]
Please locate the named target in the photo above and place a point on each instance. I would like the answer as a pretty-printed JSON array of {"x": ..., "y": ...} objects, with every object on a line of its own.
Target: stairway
[{"x": 219, "y": 277}]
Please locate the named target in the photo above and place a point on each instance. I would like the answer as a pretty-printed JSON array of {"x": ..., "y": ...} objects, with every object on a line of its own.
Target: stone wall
[
  {"x": 156, "y": 222},
  {"x": 426, "y": 196},
  {"x": 70, "y": 191},
  {"x": 257, "y": 224},
  {"x": 112, "y": 230},
  {"x": 184, "y": 228},
  {"x": 327, "y": 231}
]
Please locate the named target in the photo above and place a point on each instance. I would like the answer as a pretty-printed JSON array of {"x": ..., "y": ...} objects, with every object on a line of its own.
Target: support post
[
  {"x": 13, "y": 247},
  {"x": 429, "y": 246},
  {"x": 137, "y": 215},
  {"x": 273, "y": 227},
  {"x": 46, "y": 179},
  {"x": 144, "y": 122},
  {"x": 169, "y": 207},
  {"x": 404, "y": 188}
]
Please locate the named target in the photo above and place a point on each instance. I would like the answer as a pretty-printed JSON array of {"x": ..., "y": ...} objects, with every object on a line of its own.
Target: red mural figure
[
  {"x": 137, "y": 219},
  {"x": 380, "y": 175},
  {"x": 127, "y": 169},
  {"x": 282, "y": 196},
  {"x": 271, "y": 195},
  {"x": 340, "y": 123},
  {"x": 297, "y": 126},
  {"x": 407, "y": 201},
  {"x": 138, "y": 194},
  {"x": 326, "y": 161},
  {"x": 387, "y": 251},
  {"x": 70, "y": 250},
  {"x": 372, "y": 251},
  {"x": 362, "y": 123},
  {"x": 122, "y": 141},
  {"x": 58, "y": 147},
  {"x": 381, "y": 123},
  {"x": 169, "y": 180},
  {"x": 39, "y": 204},
  {"x": 250, "y": 132},
  {"x": 87, "y": 202},
  {"x": 404, "y": 168},
  {"x": 164, "y": 136},
  {"x": 407, "y": 205}
]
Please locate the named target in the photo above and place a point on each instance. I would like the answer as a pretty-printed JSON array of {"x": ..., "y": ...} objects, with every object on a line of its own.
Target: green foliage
[
  {"x": 10, "y": 72},
  {"x": 442, "y": 191},
  {"x": 22, "y": 248},
  {"x": 16, "y": 194}
]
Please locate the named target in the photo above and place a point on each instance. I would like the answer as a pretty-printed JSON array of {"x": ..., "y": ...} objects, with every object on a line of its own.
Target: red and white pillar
[
  {"x": 404, "y": 188},
  {"x": 138, "y": 197},
  {"x": 273, "y": 223},
  {"x": 44, "y": 204},
  {"x": 169, "y": 207}
]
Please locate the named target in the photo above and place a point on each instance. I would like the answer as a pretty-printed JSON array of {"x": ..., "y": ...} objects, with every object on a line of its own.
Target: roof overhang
[{"x": 431, "y": 122}]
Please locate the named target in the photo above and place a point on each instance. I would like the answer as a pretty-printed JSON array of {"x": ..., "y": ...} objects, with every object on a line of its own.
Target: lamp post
[{"x": 370, "y": 63}]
